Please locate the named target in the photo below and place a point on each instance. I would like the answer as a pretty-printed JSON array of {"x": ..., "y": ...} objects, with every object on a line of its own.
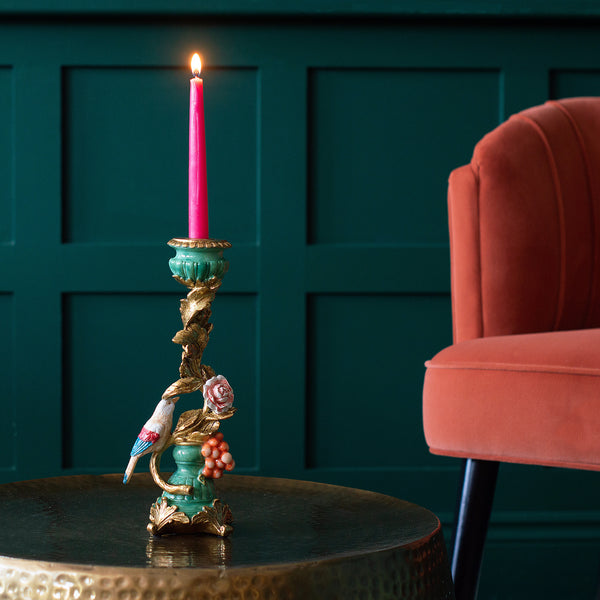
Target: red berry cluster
[{"x": 217, "y": 457}]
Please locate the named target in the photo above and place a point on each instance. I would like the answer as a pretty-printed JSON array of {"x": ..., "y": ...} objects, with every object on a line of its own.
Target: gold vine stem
[
  {"x": 195, "y": 314},
  {"x": 193, "y": 426},
  {"x": 182, "y": 490}
]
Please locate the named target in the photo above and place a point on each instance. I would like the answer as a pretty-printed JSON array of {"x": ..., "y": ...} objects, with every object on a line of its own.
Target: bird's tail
[{"x": 130, "y": 467}]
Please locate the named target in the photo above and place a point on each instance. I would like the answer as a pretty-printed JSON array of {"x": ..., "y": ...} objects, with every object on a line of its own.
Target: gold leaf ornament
[
  {"x": 207, "y": 372},
  {"x": 161, "y": 513},
  {"x": 194, "y": 426},
  {"x": 197, "y": 303},
  {"x": 190, "y": 362},
  {"x": 212, "y": 416},
  {"x": 201, "y": 338},
  {"x": 186, "y": 385},
  {"x": 198, "y": 437},
  {"x": 194, "y": 334},
  {"x": 185, "y": 337},
  {"x": 188, "y": 420},
  {"x": 208, "y": 428},
  {"x": 216, "y": 518}
]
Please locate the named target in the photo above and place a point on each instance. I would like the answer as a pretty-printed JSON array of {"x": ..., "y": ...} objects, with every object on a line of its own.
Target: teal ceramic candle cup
[{"x": 198, "y": 260}]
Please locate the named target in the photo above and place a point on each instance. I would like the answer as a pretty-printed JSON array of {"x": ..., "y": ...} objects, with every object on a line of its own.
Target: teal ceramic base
[
  {"x": 190, "y": 463},
  {"x": 199, "y": 512}
]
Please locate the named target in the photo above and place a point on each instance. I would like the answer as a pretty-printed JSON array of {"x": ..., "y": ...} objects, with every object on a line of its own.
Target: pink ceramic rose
[{"x": 218, "y": 394}]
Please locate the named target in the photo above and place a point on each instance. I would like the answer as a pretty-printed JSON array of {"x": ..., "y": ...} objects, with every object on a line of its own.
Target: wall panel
[
  {"x": 119, "y": 358},
  {"x": 574, "y": 82},
  {"x": 117, "y": 364},
  {"x": 359, "y": 399},
  {"x": 540, "y": 569},
  {"x": 6, "y": 154},
  {"x": 363, "y": 187},
  {"x": 125, "y": 153},
  {"x": 7, "y": 421}
]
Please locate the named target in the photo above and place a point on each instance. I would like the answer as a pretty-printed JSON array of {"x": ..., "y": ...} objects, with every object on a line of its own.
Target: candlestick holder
[{"x": 189, "y": 503}]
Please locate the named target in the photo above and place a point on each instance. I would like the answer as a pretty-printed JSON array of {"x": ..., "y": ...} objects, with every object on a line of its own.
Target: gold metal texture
[
  {"x": 195, "y": 425},
  {"x": 74, "y": 537},
  {"x": 195, "y": 314},
  {"x": 214, "y": 519},
  {"x": 197, "y": 243}
]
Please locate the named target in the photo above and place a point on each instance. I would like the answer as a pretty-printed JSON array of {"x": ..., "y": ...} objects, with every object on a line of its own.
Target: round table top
[{"x": 94, "y": 527}]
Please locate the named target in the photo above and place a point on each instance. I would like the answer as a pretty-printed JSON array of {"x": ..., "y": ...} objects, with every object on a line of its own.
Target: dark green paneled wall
[{"x": 329, "y": 144}]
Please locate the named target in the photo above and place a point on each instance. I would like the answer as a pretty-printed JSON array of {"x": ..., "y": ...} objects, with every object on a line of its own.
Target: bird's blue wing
[{"x": 140, "y": 446}]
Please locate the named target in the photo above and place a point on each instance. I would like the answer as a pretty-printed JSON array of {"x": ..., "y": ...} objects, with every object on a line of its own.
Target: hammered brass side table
[{"x": 78, "y": 537}]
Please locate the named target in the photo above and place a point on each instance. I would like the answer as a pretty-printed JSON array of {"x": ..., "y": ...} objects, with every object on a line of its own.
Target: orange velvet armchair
[{"x": 521, "y": 383}]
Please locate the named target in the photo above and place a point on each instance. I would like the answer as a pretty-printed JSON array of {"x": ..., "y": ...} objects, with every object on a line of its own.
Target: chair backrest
[{"x": 525, "y": 224}]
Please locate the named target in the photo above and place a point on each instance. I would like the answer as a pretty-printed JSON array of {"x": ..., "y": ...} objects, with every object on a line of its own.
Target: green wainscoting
[{"x": 331, "y": 130}]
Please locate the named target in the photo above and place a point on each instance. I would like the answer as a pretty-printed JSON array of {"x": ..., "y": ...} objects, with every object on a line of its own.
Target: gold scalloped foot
[{"x": 214, "y": 519}]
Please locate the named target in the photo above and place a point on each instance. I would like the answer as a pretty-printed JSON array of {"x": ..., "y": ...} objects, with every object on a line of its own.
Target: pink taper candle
[{"x": 198, "y": 196}]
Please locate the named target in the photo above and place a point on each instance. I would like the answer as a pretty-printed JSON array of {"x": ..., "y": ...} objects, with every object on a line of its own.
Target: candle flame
[{"x": 196, "y": 65}]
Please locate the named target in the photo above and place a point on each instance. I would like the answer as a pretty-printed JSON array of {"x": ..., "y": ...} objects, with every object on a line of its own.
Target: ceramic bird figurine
[{"x": 154, "y": 434}]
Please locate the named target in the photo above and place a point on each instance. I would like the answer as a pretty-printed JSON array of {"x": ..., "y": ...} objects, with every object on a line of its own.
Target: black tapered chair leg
[{"x": 472, "y": 522}]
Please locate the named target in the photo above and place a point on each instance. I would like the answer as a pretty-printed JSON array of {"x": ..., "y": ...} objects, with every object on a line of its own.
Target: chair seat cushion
[{"x": 532, "y": 398}]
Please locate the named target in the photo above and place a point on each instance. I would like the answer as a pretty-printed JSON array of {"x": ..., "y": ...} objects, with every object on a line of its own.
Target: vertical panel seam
[
  {"x": 561, "y": 215},
  {"x": 586, "y": 163}
]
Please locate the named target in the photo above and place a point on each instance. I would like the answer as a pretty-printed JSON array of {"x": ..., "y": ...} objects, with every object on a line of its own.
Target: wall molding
[{"x": 556, "y": 9}]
